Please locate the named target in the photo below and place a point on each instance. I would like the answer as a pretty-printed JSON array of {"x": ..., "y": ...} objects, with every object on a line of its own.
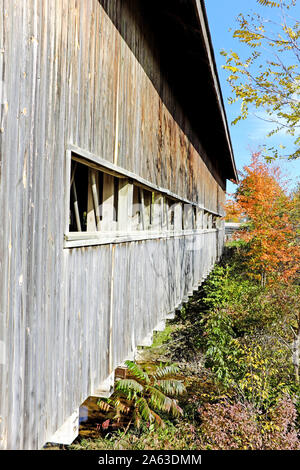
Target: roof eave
[{"x": 203, "y": 20}]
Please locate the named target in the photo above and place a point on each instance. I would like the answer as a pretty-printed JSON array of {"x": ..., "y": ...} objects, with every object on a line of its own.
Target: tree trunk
[
  {"x": 263, "y": 278},
  {"x": 296, "y": 346}
]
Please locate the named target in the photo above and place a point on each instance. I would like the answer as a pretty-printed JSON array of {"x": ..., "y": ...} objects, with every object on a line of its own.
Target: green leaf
[{"x": 137, "y": 371}]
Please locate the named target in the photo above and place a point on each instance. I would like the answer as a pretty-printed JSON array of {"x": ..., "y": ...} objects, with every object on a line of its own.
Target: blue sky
[{"x": 246, "y": 135}]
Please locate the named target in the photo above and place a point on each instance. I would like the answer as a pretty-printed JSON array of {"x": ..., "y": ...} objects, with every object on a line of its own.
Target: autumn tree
[
  {"x": 269, "y": 78},
  {"x": 295, "y": 216},
  {"x": 269, "y": 232},
  {"x": 232, "y": 211}
]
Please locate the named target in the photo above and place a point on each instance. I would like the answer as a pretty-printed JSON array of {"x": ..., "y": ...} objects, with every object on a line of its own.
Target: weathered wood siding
[
  {"x": 116, "y": 316},
  {"x": 67, "y": 316}
]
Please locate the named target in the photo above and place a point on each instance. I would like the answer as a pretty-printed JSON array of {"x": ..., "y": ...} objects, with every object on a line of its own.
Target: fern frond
[
  {"x": 136, "y": 418},
  {"x": 171, "y": 387},
  {"x": 164, "y": 371},
  {"x": 158, "y": 420},
  {"x": 121, "y": 407},
  {"x": 137, "y": 371},
  {"x": 159, "y": 400},
  {"x": 175, "y": 409},
  {"x": 104, "y": 406},
  {"x": 144, "y": 409},
  {"x": 129, "y": 387}
]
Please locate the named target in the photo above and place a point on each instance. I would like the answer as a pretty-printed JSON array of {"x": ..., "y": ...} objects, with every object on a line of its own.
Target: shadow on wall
[{"x": 178, "y": 67}]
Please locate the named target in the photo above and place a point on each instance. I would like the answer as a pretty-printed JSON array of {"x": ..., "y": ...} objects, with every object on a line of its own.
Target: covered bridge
[{"x": 114, "y": 154}]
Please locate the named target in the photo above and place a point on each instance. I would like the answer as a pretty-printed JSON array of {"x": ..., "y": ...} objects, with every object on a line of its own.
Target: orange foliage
[
  {"x": 233, "y": 213},
  {"x": 261, "y": 198}
]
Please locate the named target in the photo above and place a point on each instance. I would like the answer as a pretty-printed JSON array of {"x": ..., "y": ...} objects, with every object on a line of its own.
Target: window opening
[
  {"x": 100, "y": 186},
  {"x": 136, "y": 207},
  {"x": 171, "y": 213},
  {"x": 78, "y": 206},
  {"x": 95, "y": 195},
  {"x": 205, "y": 220},
  {"x": 98, "y": 202},
  {"x": 116, "y": 199},
  {"x": 148, "y": 209}
]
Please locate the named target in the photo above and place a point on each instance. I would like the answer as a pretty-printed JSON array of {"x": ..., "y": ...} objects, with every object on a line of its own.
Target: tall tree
[
  {"x": 295, "y": 216},
  {"x": 233, "y": 213},
  {"x": 272, "y": 245},
  {"x": 269, "y": 78}
]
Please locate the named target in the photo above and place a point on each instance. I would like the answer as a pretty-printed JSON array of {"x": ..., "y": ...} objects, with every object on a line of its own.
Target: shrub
[
  {"x": 222, "y": 350},
  {"x": 241, "y": 426},
  {"x": 280, "y": 429},
  {"x": 228, "y": 426}
]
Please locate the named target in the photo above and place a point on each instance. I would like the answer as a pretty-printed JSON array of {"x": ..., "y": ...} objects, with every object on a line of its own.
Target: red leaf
[{"x": 105, "y": 424}]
